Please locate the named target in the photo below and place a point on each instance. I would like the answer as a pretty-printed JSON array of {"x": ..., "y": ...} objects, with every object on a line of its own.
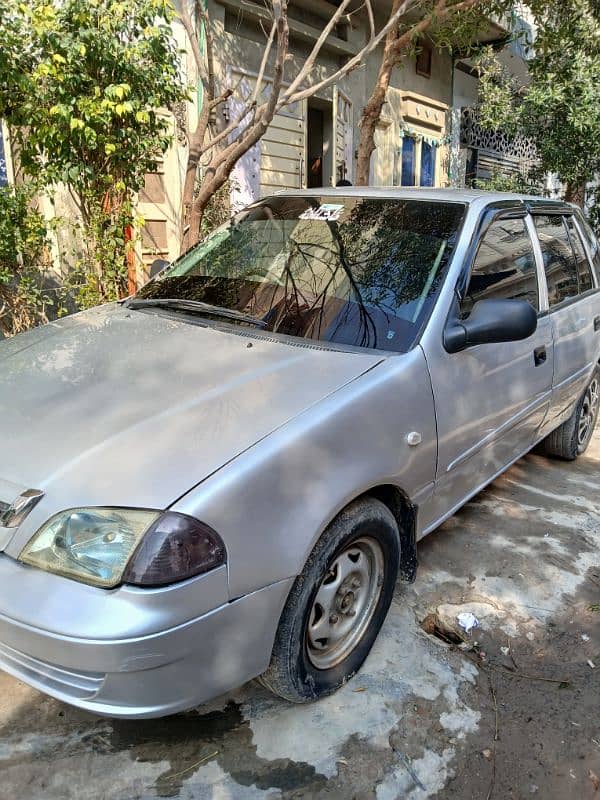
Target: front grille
[{"x": 81, "y": 685}]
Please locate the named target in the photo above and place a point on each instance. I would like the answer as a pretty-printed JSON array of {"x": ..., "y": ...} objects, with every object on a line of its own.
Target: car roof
[{"x": 467, "y": 196}]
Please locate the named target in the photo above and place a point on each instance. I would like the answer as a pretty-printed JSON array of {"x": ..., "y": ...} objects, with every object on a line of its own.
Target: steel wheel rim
[
  {"x": 589, "y": 410},
  {"x": 345, "y": 603}
]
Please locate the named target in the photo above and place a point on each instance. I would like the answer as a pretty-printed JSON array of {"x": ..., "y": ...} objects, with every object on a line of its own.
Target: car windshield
[{"x": 353, "y": 271}]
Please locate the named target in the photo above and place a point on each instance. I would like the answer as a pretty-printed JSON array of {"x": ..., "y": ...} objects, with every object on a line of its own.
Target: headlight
[{"x": 108, "y": 546}]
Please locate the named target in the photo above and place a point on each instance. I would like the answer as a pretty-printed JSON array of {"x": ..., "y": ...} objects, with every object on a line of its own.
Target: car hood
[{"x": 133, "y": 408}]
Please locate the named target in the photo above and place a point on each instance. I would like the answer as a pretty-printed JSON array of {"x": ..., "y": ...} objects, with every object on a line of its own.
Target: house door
[
  {"x": 319, "y": 143},
  {"x": 343, "y": 157}
]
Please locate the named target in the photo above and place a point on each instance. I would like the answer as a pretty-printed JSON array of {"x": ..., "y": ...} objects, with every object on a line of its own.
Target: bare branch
[
  {"x": 263, "y": 65},
  {"x": 287, "y": 99},
  {"x": 356, "y": 60},
  {"x": 192, "y": 35},
  {"x": 371, "y": 17},
  {"x": 254, "y": 117},
  {"x": 249, "y": 105},
  {"x": 310, "y": 61}
]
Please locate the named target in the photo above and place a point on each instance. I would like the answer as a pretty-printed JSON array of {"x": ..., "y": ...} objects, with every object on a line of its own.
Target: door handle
[
  {"x": 597, "y": 324},
  {"x": 540, "y": 355}
]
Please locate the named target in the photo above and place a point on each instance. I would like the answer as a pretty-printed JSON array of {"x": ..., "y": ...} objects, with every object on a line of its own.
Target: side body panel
[
  {"x": 272, "y": 504},
  {"x": 576, "y": 352},
  {"x": 575, "y": 329},
  {"x": 491, "y": 400}
]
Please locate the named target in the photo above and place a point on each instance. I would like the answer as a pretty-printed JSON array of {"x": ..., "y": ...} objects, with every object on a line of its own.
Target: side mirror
[{"x": 491, "y": 321}]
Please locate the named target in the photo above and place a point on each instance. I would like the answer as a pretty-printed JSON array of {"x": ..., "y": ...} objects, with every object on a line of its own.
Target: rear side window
[
  {"x": 584, "y": 270},
  {"x": 559, "y": 261},
  {"x": 504, "y": 266},
  {"x": 591, "y": 240}
]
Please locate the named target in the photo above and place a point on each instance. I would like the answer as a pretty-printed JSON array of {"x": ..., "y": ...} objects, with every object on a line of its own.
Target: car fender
[{"x": 273, "y": 502}]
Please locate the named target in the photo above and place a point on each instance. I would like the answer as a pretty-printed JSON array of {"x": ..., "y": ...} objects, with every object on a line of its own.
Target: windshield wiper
[{"x": 195, "y": 307}]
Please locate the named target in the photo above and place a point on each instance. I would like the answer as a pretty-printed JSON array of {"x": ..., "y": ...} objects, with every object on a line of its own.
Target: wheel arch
[{"x": 405, "y": 514}]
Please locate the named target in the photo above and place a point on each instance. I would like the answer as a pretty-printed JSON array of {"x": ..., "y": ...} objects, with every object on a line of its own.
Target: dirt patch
[{"x": 439, "y": 628}]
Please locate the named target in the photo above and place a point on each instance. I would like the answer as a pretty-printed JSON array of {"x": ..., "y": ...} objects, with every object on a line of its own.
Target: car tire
[
  {"x": 337, "y": 604},
  {"x": 571, "y": 439}
]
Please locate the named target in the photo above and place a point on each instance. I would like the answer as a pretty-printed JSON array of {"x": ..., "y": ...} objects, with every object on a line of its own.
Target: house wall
[{"x": 416, "y": 105}]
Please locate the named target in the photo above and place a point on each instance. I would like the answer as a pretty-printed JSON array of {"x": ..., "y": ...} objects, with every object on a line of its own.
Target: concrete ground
[{"x": 515, "y": 716}]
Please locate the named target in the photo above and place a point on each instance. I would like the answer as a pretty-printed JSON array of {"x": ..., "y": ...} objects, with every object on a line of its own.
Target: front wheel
[
  {"x": 337, "y": 604},
  {"x": 572, "y": 438}
]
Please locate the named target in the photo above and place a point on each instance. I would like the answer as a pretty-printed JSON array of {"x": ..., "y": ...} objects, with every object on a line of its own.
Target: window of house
[
  {"x": 408, "y": 161},
  {"x": 559, "y": 261},
  {"x": 504, "y": 267},
  {"x": 427, "y": 164},
  {"x": 424, "y": 58},
  {"x": 584, "y": 270}
]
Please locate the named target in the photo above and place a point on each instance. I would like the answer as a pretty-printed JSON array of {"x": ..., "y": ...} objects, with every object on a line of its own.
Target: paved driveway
[{"x": 515, "y": 715}]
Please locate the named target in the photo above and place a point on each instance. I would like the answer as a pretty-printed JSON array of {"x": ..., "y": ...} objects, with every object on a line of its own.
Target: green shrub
[{"x": 24, "y": 299}]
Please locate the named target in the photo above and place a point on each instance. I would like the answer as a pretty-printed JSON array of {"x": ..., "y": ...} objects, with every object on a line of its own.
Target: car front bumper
[{"x": 150, "y": 675}]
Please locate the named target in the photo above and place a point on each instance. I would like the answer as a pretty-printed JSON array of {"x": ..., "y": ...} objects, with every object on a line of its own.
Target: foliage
[
  {"x": 217, "y": 211},
  {"x": 24, "y": 299},
  {"x": 82, "y": 83},
  {"x": 560, "y": 109},
  {"x": 515, "y": 182}
]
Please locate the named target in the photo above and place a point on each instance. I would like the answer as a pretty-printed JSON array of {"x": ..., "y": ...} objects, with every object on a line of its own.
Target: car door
[
  {"x": 491, "y": 399},
  {"x": 574, "y": 310}
]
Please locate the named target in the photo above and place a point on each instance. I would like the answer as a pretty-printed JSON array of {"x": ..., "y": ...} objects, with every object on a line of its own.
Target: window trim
[
  {"x": 540, "y": 209},
  {"x": 586, "y": 249},
  {"x": 544, "y": 301},
  {"x": 585, "y": 254},
  {"x": 472, "y": 256},
  {"x": 500, "y": 209}
]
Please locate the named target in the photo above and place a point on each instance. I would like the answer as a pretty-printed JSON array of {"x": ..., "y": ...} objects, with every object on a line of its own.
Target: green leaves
[
  {"x": 560, "y": 109},
  {"x": 80, "y": 82}
]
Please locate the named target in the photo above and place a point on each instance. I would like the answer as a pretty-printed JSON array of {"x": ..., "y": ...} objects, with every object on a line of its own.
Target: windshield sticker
[{"x": 330, "y": 212}]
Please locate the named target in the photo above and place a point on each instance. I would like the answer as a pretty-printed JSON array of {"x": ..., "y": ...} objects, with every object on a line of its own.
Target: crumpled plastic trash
[{"x": 467, "y": 621}]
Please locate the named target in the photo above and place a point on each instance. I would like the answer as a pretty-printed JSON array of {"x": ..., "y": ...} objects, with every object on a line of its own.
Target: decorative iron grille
[{"x": 472, "y": 134}]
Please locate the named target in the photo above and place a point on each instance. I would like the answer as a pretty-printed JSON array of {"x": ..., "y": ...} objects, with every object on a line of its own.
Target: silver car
[{"x": 224, "y": 476}]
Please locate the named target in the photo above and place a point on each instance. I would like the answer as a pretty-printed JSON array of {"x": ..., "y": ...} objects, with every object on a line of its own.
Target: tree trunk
[
  {"x": 196, "y": 141},
  {"x": 369, "y": 120},
  {"x": 575, "y": 193},
  {"x": 371, "y": 113},
  {"x": 396, "y": 45}
]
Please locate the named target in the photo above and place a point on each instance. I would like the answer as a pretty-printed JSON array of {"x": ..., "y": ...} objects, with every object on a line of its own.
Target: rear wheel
[
  {"x": 337, "y": 604},
  {"x": 572, "y": 438}
]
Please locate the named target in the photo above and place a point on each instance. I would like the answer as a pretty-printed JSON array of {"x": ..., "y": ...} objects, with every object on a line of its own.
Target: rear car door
[
  {"x": 491, "y": 399},
  {"x": 574, "y": 309}
]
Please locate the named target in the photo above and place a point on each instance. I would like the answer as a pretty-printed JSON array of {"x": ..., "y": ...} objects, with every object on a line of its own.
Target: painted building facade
[
  {"x": 420, "y": 140},
  {"x": 313, "y": 143}
]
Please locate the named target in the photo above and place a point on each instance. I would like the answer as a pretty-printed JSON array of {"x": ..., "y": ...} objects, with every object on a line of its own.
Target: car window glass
[
  {"x": 583, "y": 265},
  {"x": 592, "y": 242},
  {"x": 559, "y": 262},
  {"x": 504, "y": 266},
  {"x": 357, "y": 271}
]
